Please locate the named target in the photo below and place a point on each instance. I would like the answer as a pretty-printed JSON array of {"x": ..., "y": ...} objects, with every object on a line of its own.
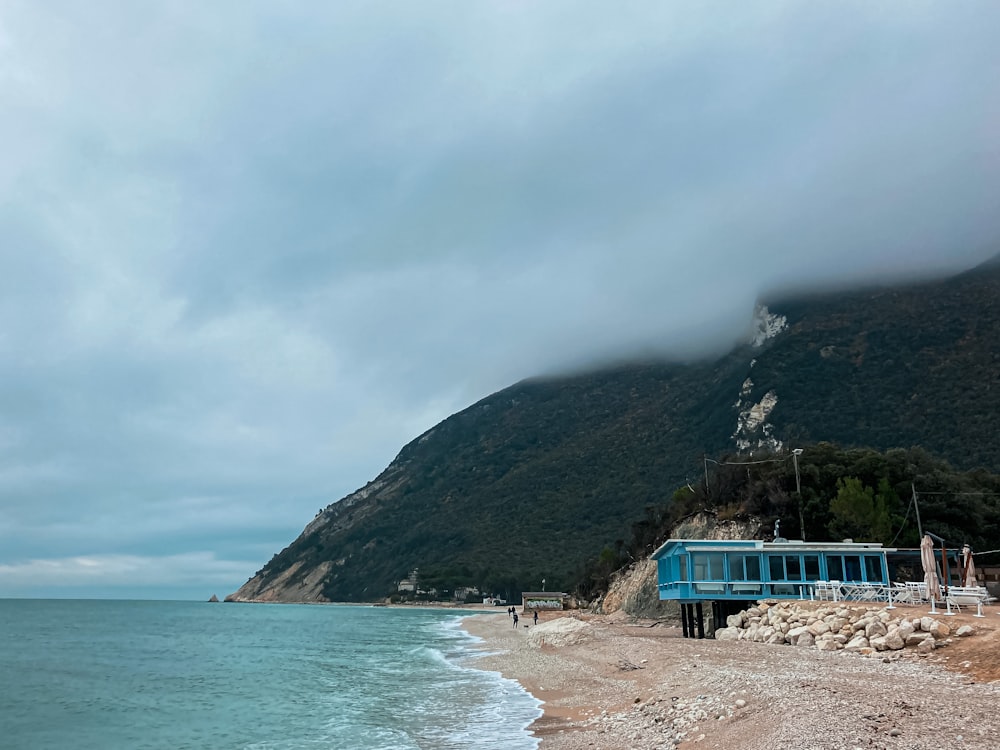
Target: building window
[
  {"x": 852, "y": 568},
  {"x": 744, "y": 567},
  {"x": 812, "y": 567},
  {"x": 873, "y": 569},
  {"x": 708, "y": 567},
  {"x": 785, "y": 567}
]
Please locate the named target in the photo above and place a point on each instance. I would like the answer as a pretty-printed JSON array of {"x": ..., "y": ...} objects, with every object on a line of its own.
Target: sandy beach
[{"x": 608, "y": 682}]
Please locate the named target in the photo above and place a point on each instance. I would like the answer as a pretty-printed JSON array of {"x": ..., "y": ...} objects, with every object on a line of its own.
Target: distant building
[
  {"x": 531, "y": 600},
  {"x": 409, "y": 583},
  {"x": 464, "y": 592}
]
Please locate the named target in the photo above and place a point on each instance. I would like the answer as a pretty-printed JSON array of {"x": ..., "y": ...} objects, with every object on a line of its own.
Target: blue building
[{"x": 730, "y": 573}]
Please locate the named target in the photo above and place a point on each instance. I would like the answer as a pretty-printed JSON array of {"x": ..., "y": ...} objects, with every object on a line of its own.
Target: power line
[
  {"x": 747, "y": 463},
  {"x": 992, "y": 494},
  {"x": 903, "y": 526}
]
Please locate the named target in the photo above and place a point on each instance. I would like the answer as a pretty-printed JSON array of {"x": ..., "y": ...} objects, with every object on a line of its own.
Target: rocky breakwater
[{"x": 864, "y": 630}]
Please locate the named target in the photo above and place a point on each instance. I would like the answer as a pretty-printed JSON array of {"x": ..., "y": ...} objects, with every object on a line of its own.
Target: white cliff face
[
  {"x": 753, "y": 432},
  {"x": 766, "y": 325}
]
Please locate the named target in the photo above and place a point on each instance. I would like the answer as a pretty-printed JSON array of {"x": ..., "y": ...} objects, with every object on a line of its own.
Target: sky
[{"x": 249, "y": 250}]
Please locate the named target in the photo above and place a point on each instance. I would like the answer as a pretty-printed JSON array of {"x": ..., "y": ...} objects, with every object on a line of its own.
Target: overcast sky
[{"x": 251, "y": 249}]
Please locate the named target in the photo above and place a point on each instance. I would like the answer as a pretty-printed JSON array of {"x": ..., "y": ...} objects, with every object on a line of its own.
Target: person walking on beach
[
  {"x": 515, "y": 619},
  {"x": 536, "y": 617}
]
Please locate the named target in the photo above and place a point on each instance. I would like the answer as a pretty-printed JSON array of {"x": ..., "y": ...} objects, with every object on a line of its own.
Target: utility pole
[
  {"x": 704, "y": 459},
  {"x": 916, "y": 507},
  {"x": 798, "y": 491}
]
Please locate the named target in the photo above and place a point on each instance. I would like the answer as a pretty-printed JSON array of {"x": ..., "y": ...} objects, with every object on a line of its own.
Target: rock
[
  {"x": 806, "y": 639},
  {"x": 828, "y": 644},
  {"x": 926, "y": 646},
  {"x": 563, "y": 631},
  {"x": 964, "y": 631},
  {"x": 795, "y": 633},
  {"x": 905, "y": 629},
  {"x": 926, "y": 623},
  {"x": 940, "y": 630},
  {"x": 727, "y": 634},
  {"x": 875, "y": 628},
  {"x": 893, "y": 641},
  {"x": 856, "y": 643},
  {"x": 214, "y": 598},
  {"x": 819, "y": 628},
  {"x": 915, "y": 639}
]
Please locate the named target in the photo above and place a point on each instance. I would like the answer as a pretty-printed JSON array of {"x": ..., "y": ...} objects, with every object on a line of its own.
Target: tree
[{"x": 858, "y": 513}]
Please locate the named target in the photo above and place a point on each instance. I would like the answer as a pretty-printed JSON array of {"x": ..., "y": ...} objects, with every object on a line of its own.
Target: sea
[{"x": 129, "y": 675}]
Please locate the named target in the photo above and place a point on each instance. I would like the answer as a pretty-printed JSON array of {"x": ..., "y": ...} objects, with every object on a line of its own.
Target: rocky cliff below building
[{"x": 634, "y": 590}]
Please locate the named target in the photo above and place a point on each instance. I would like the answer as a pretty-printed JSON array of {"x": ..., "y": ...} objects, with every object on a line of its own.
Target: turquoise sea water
[{"x": 113, "y": 674}]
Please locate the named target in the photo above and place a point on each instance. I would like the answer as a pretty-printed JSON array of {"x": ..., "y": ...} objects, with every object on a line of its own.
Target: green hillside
[{"x": 535, "y": 479}]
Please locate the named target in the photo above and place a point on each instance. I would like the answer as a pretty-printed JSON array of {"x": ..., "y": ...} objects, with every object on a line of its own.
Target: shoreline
[{"x": 606, "y": 682}]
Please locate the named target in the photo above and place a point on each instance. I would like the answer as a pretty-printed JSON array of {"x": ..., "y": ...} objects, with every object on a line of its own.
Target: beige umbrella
[
  {"x": 930, "y": 569},
  {"x": 968, "y": 568}
]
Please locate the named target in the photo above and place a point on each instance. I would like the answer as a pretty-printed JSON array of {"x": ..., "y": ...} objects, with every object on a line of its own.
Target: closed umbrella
[
  {"x": 930, "y": 569},
  {"x": 968, "y": 568}
]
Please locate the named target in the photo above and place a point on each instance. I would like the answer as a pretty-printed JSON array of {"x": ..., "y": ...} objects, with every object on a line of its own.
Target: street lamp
[{"x": 798, "y": 491}]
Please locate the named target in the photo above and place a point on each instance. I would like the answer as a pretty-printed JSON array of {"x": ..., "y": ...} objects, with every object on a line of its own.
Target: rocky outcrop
[
  {"x": 286, "y": 586},
  {"x": 634, "y": 590},
  {"x": 706, "y": 524},
  {"x": 865, "y": 630}
]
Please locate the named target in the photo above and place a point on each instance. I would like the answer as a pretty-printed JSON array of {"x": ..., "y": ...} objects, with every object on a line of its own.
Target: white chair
[
  {"x": 827, "y": 590},
  {"x": 918, "y": 590},
  {"x": 959, "y": 596},
  {"x": 836, "y": 588},
  {"x": 901, "y": 594}
]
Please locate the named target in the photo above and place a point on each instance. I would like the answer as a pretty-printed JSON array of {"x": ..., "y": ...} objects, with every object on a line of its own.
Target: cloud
[
  {"x": 248, "y": 255},
  {"x": 110, "y": 571}
]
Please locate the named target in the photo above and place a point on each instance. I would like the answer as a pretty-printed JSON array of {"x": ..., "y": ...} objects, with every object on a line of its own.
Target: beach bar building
[{"x": 728, "y": 573}]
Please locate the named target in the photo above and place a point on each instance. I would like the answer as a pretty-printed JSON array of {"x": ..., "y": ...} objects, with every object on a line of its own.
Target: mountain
[{"x": 527, "y": 483}]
